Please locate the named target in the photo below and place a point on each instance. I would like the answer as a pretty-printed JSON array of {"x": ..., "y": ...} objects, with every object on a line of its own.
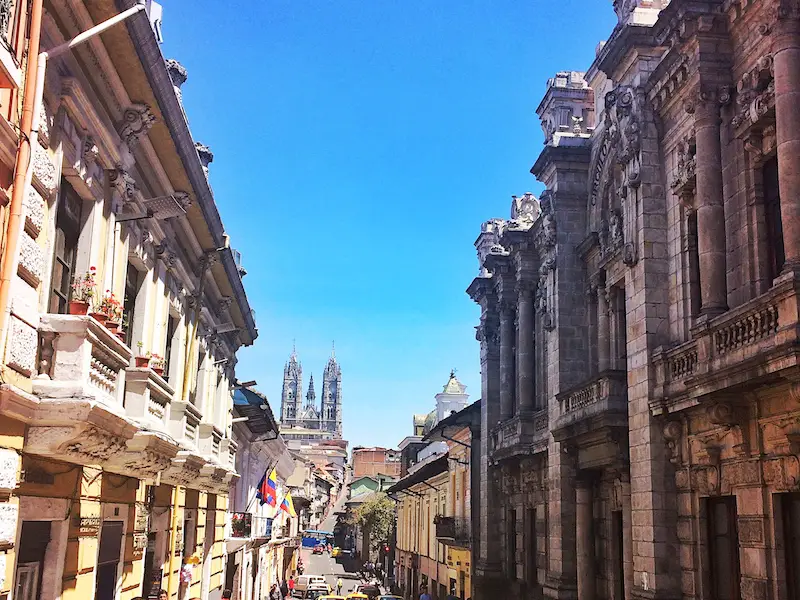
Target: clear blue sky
[{"x": 359, "y": 145}]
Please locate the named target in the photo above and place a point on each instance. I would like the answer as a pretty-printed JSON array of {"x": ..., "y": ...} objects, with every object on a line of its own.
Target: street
[{"x": 323, "y": 564}]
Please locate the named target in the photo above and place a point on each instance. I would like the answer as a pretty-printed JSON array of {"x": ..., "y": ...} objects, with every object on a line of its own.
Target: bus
[{"x": 312, "y": 537}]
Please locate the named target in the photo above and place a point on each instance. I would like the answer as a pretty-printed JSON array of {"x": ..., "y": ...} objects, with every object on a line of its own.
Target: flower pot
[
  {"x": 78, "y": 307},
  {"x": 120, "y": 334},
  {"x": 159, "y": 370},
  {"x": 142, "y": 362},
  {"x": 99, "y": 317},
  {"x": 112, "y": 326}
]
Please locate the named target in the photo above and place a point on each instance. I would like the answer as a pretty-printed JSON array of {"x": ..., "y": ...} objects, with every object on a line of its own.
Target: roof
[
  {"x": 260, "y": 421},
  {"x": 454, "y": 386},
  {"x": 446, "y": 428},
  {"x": 433, "y": 468}
]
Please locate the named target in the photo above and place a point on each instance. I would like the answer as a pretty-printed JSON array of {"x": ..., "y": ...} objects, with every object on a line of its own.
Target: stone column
[
  {"x": 584, "y": 543},
  {"x": 786, "y": 57},
  {"x": 603, "y": 327},
  {"x": 525, "y": 389},
  {"x": 710, "y": 212},
  {"x": 506, "y": 360},
  {"x": 627, "y": 540}
]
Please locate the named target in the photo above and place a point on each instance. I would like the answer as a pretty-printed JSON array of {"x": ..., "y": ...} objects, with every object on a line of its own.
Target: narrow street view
[{"x": 279, "y": 318}]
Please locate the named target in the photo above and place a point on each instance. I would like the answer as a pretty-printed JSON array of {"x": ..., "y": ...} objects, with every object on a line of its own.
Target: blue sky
[{"x": 359, "y": 145}]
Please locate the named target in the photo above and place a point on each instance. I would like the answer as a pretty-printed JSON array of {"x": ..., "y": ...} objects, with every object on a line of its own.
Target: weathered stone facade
[{"x": 639, "y": 334}]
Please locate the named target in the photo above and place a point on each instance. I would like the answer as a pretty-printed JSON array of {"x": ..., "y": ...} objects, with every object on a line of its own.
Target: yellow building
[
  {"x": 115, "y": 429},
  {"x": 434, "y": 515}
]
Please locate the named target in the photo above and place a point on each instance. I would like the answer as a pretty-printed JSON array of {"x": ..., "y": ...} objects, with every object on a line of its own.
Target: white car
[{"x": 304, "y": 582}]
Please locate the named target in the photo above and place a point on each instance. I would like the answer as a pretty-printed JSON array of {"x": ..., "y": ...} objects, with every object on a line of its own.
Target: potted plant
[
  {"x": 111, "y": 307},
  {"x": 142, "y": 360},
  {"x": 83, "y": 290},
  {"x": 157, "y": 363}
]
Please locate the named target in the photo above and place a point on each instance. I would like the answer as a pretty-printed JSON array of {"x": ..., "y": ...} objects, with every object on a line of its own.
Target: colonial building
[
  {"x": 116, "y": 423},
  {"x": 639, "y": 321},
  {"x": 312, "y": 421},
  {"x": 261, "y": 540},
  {"x": 434, "y": 512},
  {"x": 369, "y": 462}
]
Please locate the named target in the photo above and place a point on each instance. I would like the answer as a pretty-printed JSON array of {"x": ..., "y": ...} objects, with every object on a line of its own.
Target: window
[
  {"x": 723, "y": 547},
  {"x": 791, "y": 529},
  {"x": 108, "y": 560},
  {"x": 172, "y": 327},
  {"x": 34, "y": 539},
  {"x": 772, "y": 216},
  {"x": 620, "y": 348},
  {"x": 132, "y": 287},
  {"x": 65, "y": 242}
]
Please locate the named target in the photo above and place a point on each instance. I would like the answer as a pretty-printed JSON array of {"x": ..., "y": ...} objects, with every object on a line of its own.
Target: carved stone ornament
[
  {"x": 524, "y": 210},
  {"x": 684, "y": 180},
  {"x": 224, "y": 303},
  {"x": 673, "y": 433},
  {"x": 546, "y": 236},
  {"x": 755, "y": 93},
  {"x": 90, "y": 150},
  {"x": 623, "y": 8},
  {"x": 137, "y": 120},
  {"x": 123, "y": 184},
  {"x": 183, "y": 198}
]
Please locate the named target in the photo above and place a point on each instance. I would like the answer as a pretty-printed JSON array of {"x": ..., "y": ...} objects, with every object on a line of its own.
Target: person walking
[
  {"x": 275, "y": 593},
  {"x": 339, "y": 584},
  {"x": 284, "y": 589},
  {"x": 424, "y": 595},
  {"x": 291, "y": 585}
]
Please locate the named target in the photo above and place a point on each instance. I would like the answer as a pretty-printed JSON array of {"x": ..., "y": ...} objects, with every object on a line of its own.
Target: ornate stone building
[
  {"x": 116, "y": 424},
  {"x": 639, "y": 336},
  {"x": 325, "y": 417}
]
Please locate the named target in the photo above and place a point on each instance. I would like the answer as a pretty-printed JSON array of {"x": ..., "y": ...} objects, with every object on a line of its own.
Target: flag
[
  {"x": 268, "y": 489},
  {"x": 288, "y": 505}
]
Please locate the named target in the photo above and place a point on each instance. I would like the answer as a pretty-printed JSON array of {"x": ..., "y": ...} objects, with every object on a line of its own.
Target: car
[
  {"x": 305, "y": 582},
  {"x": 384, "y": 597},
  {"x": 315, "y": 592},
  {"x": 336, "y": 552},
  {"x": 331, "y": 598},
  {"x": 357, "y": 596},
  {"x": 369, "y": 589},
  {"x": 318, "y": 549}
]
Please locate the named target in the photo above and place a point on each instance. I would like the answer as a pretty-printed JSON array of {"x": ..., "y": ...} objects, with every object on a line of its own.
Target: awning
[
  {"x": 448, "y": 427},
  {"x": 433, "y": 468},
  {"x": 260, "y": 420}
]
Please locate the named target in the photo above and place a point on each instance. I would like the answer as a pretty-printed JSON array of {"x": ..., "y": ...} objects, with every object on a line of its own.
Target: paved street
[{"x": 332, "y": 568}]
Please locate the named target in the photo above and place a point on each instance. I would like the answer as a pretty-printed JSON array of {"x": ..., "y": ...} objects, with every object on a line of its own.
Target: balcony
[
  {"x": 523, "y": 434},
  {"x": 80, "y": 358},
  {"x": 147, "y": 397},
  {"x": 453, "y": 531},
  {"x": 743, "y": 346},
  {"x": 598, "y": 404},
  {"x": 244, "y": 527}
]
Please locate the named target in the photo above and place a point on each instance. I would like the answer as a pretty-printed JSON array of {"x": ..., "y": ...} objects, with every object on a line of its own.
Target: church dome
[
  {"x": 454, "y": 386},
  {"x": 430, "y": 422}
]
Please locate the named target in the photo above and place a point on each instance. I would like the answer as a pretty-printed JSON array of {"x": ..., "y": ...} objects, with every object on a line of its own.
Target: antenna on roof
[{"x": 333, "y": 349}]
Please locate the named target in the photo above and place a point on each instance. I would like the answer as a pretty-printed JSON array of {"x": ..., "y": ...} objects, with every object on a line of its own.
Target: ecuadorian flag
[
  {"x": 268, "y": 489},
  {"x": 288, "y": 505}
]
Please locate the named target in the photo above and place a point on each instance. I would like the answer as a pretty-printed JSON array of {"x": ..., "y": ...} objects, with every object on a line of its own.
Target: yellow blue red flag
[{"x": 288, "y": 506}]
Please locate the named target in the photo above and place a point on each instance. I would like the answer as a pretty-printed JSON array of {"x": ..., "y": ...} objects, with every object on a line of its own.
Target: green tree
[{"x": 376, "y": 518}]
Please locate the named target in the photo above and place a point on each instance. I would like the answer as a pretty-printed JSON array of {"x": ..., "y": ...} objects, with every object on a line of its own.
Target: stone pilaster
[
  {"x": 525, "y": 350},
  {"x": 603, "y": 328},
  {"x": 506, "y": 360},
  {"x": 709, "y": 198},
  {"x": 786, "y": 56}
]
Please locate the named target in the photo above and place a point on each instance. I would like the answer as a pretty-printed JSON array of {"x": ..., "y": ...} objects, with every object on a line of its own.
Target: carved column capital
[{"x": 136, "y": 121}]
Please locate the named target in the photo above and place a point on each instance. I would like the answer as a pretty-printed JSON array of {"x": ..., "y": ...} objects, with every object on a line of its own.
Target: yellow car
[
  {"x": 357, "y": 596},
  {"x": 331, "y": 598},
  {"x": 336, "y": 552}
]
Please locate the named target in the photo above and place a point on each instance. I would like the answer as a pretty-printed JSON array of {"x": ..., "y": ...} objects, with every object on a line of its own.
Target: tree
[{"x": 376, "y": 518}]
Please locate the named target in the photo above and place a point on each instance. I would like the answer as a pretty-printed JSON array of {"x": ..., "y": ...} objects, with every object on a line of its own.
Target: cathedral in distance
[{"x": 325, "y": 416}]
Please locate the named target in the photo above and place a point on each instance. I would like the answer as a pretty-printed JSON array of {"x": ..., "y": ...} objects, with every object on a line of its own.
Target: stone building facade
[
  {"x": 120, "y": 454},
  {"x": 639, "y": 321}
]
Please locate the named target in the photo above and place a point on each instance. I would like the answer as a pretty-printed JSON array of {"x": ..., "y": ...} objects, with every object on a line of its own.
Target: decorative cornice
[{"x": 137, "y": 120}]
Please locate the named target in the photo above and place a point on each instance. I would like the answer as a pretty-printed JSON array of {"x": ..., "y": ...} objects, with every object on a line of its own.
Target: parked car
[
  {"x": 304, "y": 582},
  {"x": 389, "y": 597},
  {"x": 331, "y": 598},
  {"x": 357, "y": 596},
  {"x": 318, "y": 549},
  {"x": 316, "y": 591}
]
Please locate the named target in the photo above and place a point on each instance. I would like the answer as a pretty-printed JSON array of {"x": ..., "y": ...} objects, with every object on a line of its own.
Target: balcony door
[
  {"x": 723, "y": 545},
  {"x": 65, "y": 243},
  {"x": 108, "y": 560}
]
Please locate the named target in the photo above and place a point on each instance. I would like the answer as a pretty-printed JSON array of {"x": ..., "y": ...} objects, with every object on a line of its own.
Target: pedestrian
[
  {"x": 424, "y": 595},
  {"x": 284, "y": 589},
  {"x": 227, "y": 595},
  {"x": 339, "y": 584},
  {"x": 162, "y": 595},
  {"x": 291, "y": 585},
  {"x": 275, "y": 593}
]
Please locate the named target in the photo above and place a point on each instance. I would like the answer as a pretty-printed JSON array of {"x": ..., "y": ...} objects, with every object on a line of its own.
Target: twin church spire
[{"x": 327, "y": 416}]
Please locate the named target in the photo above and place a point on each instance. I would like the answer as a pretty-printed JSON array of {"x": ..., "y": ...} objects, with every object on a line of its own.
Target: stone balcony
[
  {"x": 601, "y": 402},
  {"x": 453, "y": 531},
  {"x": 523, "y": 434},
  {"x": 743, "y": 346},
  {"x": 80, "y": 358},
  {"x": 147, "y": 397}
]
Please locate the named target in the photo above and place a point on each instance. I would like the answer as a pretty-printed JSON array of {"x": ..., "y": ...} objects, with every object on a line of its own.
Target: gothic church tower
[
  {"x": 331, "y": 414},
  {"x": 292, "y": 393}
]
